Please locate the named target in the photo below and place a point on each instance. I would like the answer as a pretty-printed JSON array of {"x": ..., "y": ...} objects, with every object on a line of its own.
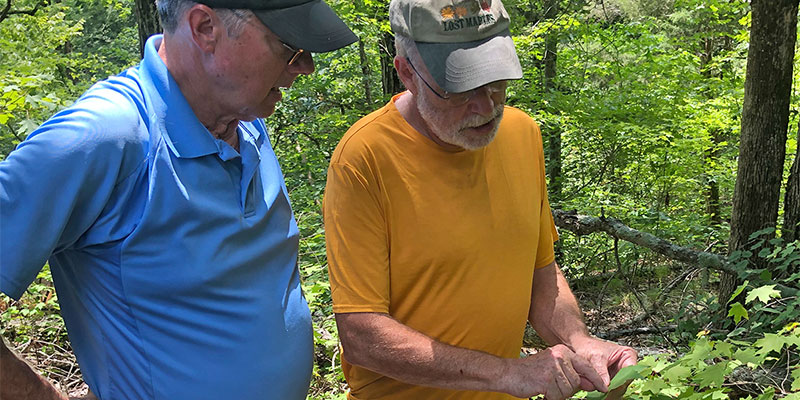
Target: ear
[
  {"x": 205, "y": 27},
  {"x": 405, "y": 73}
]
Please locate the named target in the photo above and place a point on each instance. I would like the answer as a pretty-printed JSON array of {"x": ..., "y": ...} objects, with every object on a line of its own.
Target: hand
[
  {"x": 607, "y": 358},
  {"x": 556, "y": 372}
]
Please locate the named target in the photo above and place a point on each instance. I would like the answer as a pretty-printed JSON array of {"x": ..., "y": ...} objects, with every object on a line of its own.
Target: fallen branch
[
  {"x": 645, "y": 330},
  {"x": 584, "y": 225}
]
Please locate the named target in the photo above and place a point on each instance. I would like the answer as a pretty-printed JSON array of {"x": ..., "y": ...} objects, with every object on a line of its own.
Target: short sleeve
[
  {"x": 357, "y": 243},
  {"x": 57, "y": 182}
]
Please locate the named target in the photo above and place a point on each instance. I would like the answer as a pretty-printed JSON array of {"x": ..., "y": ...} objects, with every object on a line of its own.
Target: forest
[{"x": 671, "y": 143}]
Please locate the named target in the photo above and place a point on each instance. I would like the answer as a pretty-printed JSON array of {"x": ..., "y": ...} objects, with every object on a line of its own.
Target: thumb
[
  {"x": 590, "y": 375},
  {"x": 602, "y": 369}
]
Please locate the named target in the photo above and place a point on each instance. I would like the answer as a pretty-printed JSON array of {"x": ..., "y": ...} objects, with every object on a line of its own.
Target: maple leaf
[
  {"x": 738, "y": 312},
  {"x": 763, "y": 294}
]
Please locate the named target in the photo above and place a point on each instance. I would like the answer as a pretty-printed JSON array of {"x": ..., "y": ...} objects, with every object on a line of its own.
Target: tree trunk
[
  {"x": 389, "y": 79},
  {"x": 554, "y": 131},
  {"x": 365, "y": 72},
  {"x": 147, "y": 18},
  {"x": 791, "y": 203},
  {"x": 765, "y": 119}
]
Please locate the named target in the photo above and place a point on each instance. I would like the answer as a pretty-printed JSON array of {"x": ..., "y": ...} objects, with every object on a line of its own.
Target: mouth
[{"x": 484, "y": 127}]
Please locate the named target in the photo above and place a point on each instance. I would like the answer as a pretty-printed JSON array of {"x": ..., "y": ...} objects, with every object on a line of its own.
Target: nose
[
  {"x": 482, "y": 102},
  {"x": 304, "y": 64}
]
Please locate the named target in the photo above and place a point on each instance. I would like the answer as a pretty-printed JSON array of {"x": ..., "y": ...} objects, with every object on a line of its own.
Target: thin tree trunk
[
  {"x": 712, "y": 186},
  {"x": 791, "y": 202},
  {"x": 390, "y": 81},
  {"x": 765, "y": 119},
  {"x": 365, "y": 72},
  {"x": 147, "y": 21},
  {"x": 553, "y": 131}
]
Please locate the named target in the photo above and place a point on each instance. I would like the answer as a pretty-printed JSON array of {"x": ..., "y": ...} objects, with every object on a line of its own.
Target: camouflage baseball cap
[{"x": 464, "y": 43}]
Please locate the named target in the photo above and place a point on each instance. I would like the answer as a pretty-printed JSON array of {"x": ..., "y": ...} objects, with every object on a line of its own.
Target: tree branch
[
  {"x": 584, "y": 225},
  {"x": 8, "y": 11}
]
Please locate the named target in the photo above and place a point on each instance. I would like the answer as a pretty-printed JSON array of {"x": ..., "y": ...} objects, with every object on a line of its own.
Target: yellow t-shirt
[{"x": 444, "y": 242}]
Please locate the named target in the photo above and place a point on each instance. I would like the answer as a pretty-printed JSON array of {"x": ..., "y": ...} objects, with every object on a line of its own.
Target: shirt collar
[{"x": 182, "y": 130}]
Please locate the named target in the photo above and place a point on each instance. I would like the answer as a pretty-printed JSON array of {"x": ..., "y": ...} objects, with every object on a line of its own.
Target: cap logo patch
[{"x": 466, "y": 14}]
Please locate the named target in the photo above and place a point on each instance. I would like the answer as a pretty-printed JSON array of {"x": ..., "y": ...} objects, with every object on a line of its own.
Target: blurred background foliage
[{"x": 640, "y": 113}]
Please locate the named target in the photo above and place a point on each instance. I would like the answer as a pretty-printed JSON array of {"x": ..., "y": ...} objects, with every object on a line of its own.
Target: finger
[
  {"x": 601, "y": 365},
  {"x": 621, "y": 358},
  {"x": 567, "y": 381},
  {"x": 588, "y": 372},
  {"x": 586, "y": 385}
]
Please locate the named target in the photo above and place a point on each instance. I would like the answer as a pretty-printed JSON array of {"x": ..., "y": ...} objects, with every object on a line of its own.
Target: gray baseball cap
[
  {"x": 310, "y": 25},
  {"x": 465, "y": 44}
]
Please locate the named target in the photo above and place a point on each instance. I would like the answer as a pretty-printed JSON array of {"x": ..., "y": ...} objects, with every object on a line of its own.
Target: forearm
[
  {"x": 554, "y": 311},
  {"x": 381, "y": 344},
  {"x": 18, "y": 381}
]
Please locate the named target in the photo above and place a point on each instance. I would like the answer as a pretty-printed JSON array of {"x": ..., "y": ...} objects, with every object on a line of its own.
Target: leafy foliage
[{"x": 647, "y": 103}]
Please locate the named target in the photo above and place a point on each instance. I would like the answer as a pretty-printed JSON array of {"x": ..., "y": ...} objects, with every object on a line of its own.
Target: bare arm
[
  {"x": 382, "y": 344},
  {"x": 554, "y": 312},
  {"x": 18, "y": 381},
  {"x": 557, "y": 318}
]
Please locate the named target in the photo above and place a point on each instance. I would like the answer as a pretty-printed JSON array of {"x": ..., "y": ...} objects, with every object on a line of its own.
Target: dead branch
[
  {"x": 584, "y": 225},
  {"x": 644, "y": 330}
]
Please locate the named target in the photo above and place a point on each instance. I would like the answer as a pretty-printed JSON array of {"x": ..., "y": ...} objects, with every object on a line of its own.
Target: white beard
[{"x": 454, "y": 133}]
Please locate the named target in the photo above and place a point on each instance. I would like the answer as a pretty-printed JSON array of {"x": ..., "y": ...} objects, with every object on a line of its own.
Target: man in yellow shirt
[{"x": 440, "y": 236}]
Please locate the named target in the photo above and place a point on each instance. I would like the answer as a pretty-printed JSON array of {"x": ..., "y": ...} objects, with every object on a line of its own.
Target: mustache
[{"x": 478, "y": 120}]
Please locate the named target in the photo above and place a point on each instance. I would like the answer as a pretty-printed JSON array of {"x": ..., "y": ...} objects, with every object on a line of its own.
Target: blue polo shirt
[{"x": 174, "y": 256}]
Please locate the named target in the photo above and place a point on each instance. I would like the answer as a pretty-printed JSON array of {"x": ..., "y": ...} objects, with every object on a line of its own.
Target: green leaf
[
  {"x": 723, "y": 349},
  {"x": 748, "y": 355},
  {"x": 739, "y": 290},
  {"x": 624, "y": 375},
  {"x": 769, "y": 343},
  {"x": 595, "y": 395},
  {"x": 764, "y": 231},
  {"x": 796, "y": 376},
  {"x": 738, "y": 312},
  {"x": 654, "y": 386},
  {"x": 763, "y": 294},
  {"x": 768, "y": 394},
  {"x": 677, "y": 374},
  {"x": 701, "y": 350},
  {"x": 713, "y": 375}
]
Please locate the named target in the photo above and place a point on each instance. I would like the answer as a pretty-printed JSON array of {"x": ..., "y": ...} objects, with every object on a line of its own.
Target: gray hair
[
  {"x": 171, "y": 11},
  {"x": 404, "y": 45}
]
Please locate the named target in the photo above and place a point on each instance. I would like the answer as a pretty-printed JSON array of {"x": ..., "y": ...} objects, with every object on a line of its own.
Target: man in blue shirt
[{"x": 162, "y": 210}]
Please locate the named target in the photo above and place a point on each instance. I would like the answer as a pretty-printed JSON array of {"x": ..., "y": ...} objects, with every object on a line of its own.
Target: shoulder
[
  {"x": 367, "y": 135},
  {"x": 106, "y": 127},
  {"x": 519, "y": 118}
]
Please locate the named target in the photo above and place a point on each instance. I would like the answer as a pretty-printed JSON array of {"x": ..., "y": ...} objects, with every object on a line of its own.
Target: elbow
[
  {"x": 352, "y": 351},
  {"x": 355, "y": 339}
]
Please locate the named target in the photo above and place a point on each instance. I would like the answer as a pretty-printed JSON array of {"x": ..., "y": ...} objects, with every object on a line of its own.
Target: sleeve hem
[
  {"x": 545, "y": 263},
  {"x": 12, "y": 289},
  {"x": 342, "y": 309}
]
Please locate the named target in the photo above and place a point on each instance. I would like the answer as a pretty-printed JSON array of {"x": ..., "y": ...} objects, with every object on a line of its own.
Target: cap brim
[
  {"x": 459, "y": 67},
  {"x": 311, "y": 26}
]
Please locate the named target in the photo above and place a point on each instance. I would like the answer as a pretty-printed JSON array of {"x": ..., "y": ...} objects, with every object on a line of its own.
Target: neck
[
  {"x": 407, "y": 106},
  {"x": 185, "y": 68}
]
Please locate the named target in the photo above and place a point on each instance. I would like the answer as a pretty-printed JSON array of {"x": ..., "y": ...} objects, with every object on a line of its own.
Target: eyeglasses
[
  {"x": 296, "y": 53},
  {"x": 461, "y": 98}
]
